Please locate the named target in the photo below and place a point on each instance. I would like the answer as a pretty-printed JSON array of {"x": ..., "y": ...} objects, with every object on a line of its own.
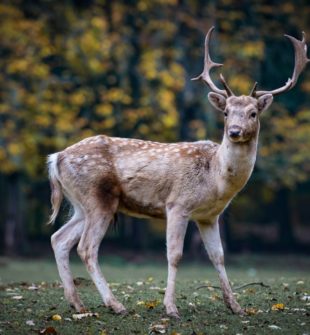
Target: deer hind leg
[
  {"x": 176, "y": 229},
  {"x": 97, "y": 223},
  {"x": 210, "y": 235},
  {"x": 63, "y": 241}
]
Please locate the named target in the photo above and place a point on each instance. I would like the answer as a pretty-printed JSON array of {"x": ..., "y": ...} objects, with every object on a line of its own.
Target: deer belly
[
  {"x": 210, "y": 210},
  {"x": 141, "y": 208},
  {"x": 144, "y": 196}
]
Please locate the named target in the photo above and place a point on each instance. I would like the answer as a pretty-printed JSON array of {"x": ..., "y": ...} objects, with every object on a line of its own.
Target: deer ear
[
  {"x": 264, "y": 102},
  {"x": 217, "y": 100}
]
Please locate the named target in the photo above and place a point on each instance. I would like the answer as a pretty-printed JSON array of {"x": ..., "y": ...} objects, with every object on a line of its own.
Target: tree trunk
[
  {"x": 285, "y": 229},
  {"x": 14, "y": 234}
]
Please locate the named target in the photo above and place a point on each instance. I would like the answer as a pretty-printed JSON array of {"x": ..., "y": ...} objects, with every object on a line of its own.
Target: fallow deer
[{"x": 176, "y": 182}]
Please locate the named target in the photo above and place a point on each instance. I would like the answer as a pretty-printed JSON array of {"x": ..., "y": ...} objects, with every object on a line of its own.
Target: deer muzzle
[{"x": 235, "y": 133}]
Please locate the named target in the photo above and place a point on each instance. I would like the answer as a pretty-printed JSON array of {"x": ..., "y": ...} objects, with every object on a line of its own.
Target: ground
[{"x": 31, "y": 298}]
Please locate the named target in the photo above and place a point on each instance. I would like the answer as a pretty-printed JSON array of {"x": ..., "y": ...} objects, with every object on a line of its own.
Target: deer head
[{"x": 241, "y": 112}]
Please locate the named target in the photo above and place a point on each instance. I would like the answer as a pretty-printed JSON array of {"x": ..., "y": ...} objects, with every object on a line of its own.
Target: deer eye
[
  {"x": 253, "y": 115},
  {"x": 225, "y": 114}
]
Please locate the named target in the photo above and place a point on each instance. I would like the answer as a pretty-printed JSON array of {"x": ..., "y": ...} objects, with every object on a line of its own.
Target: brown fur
[{"x": 108, "y": 191}]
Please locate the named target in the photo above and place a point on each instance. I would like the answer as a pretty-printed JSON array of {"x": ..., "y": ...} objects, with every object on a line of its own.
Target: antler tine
[
  {"x": 253, "y": 91},
  {"x": 227, "y": 89},
  {"x": 208, "y": 65},
  {"x": 301, "y": 60}
]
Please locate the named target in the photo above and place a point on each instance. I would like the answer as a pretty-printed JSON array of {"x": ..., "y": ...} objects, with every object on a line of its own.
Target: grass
[{"x": 30, "y": 295}]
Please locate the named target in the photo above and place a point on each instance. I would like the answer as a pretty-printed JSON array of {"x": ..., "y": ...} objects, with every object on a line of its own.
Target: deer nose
[{"x": 234, "y": 132}]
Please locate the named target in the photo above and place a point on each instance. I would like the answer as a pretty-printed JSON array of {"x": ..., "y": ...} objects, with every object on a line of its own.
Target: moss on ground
[{"x": 281, "y": 308}]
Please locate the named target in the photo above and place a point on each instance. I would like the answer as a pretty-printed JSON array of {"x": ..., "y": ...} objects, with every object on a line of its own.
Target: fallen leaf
[
  {"x": 250, "y": 290},
  {"x": 298, "y": 310},
  {"x": 300, "y": 282},
  {"x": 56, "y": 317},
  {"x": 277, "y": 307},
  {"x": 84, "y": 315},
  {"x": 175, "y": 333},
  {"x": 30, "y": 323},
  {"x": 17, "y": 297},
  {"x": 48, "y": 331},
  {"x": 151, "y": 304},
  {"x": 215, "y": 297},
  {"x": 165, "y": 321},
  {"x": 305, "y": 298},
  {"x": 251, "y": 311},
  {"x": 157, "y": 329},
  {"x": 274, "y": 327},
  {"x": 33, "y": 287},
  {"x": 103, "y": 332}
]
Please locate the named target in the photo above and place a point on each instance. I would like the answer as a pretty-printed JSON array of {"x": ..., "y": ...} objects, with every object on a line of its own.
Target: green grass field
[{"x": 31, "y": 295}]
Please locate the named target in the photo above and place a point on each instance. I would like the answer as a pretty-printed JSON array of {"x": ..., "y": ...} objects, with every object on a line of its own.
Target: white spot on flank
[{"x": 84, "y": 169}]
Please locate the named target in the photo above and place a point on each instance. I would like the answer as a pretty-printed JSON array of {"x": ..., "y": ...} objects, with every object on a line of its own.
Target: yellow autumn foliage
[
  {"x": 14, "y": 148},
  {"x": 117, "y": 75}
]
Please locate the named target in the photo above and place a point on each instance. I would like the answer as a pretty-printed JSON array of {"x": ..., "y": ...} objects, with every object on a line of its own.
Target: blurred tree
[{"x": 73, "y": 69}]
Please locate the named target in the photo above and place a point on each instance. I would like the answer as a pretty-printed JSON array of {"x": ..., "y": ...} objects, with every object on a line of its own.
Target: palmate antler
[
  {"x": 208, "y": 65},
  {"x": 301, "y": 61}
]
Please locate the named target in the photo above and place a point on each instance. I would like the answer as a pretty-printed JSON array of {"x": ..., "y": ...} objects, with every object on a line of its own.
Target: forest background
[{"x": 73, "y": 69}]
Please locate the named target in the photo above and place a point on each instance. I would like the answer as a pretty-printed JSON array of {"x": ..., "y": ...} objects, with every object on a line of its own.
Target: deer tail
[{"x": 56, "y": 189}]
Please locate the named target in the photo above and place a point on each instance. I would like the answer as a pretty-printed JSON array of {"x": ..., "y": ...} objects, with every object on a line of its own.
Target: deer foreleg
[
  {"x": 176, "y": 228},
  {"x": 210, "y": 235}
]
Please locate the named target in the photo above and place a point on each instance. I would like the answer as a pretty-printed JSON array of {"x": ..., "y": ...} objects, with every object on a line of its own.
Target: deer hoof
[
  {"x": 79, "y": 308},
  {"x": 172, "y": 311},
  {"x": 236, "y": 309},
  {"x": 119, "y": 308},
  {"x": 83, "y": 310},
  {"x": 123, "y": 312},
  {"x": 174, "y": 315}
]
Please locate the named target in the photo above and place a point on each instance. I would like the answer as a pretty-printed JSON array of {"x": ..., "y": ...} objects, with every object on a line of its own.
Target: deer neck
[{"x": 236, "y": 161}]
